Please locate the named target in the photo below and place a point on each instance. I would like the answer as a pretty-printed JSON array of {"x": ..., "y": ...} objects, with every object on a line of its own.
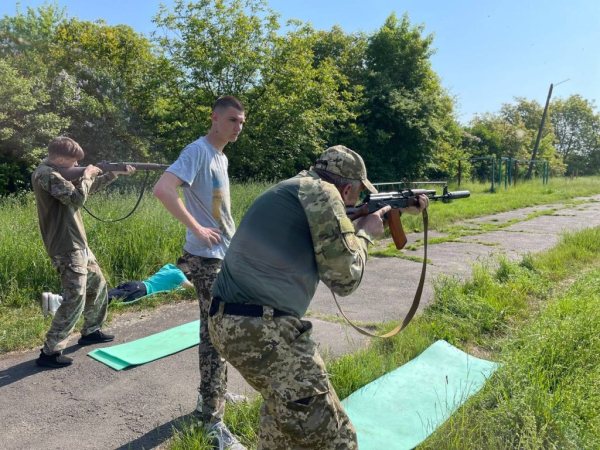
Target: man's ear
[{"x": 345, "y": 191}]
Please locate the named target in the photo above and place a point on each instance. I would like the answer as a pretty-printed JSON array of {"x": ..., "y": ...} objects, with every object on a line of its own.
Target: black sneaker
[
  {"x": 97, "y": 337},
  {"x": 56, "y": 360}
]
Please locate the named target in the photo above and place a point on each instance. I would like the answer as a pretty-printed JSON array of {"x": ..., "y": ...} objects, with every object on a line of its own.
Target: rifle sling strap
[
  {"x": 130, "y": 213},
  {"x": 416, "y": 300}
]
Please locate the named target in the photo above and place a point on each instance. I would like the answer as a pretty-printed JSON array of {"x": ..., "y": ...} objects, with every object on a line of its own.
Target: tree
[
  {"x": 577, "y": 128},
  {"x": 87, "y": 79},
  {"x": 107, "y": 68},
  {"x": 406, "y": 115},
  {"x": 218, "y": 47},
  {"x": 294, "y": 110},
  {"x": 26, "y": 126},
  {"x": 26, "y": 39},
  {"x": 511, "y": 133}
]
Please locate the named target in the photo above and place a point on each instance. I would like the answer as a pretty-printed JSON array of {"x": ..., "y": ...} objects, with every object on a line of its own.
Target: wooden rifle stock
[
  {"x": 397, "y": 200},
  {"x": 395, "y": 225}
]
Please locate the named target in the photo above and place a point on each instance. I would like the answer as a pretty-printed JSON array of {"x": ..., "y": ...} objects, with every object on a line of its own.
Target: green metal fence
[{"x": 507, "y": 169}]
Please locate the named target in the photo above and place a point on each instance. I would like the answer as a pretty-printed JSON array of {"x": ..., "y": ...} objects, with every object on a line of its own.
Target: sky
[{"x": 487, "y": 52}]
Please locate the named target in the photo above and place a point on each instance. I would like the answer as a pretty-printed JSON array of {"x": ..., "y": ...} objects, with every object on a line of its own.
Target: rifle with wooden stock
[
  {"x": 73, "y": 173},
  {"x": 399, "y": 199}
]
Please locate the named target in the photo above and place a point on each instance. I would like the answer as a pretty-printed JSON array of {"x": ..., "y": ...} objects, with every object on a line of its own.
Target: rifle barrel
[
  {"x": 459, "y": 194},
  {"x": 73, "y": 173},
  {"x": 449, "y": 196}
]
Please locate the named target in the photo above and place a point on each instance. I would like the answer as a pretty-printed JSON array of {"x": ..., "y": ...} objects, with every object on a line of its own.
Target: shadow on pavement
[
  {"x": 160, "y": 434},
  {"x": 19, "y": 372},
  {"x": 28, "y": 368}
]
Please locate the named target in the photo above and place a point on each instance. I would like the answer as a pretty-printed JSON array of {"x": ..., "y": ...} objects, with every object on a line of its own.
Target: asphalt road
[{"x": 90, "y": 406}]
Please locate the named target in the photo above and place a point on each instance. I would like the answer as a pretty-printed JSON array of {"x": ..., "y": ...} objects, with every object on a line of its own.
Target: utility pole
[{"x": 539, "y": 136}]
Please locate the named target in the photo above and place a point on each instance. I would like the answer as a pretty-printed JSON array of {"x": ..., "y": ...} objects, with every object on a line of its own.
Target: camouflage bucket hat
[{"x": 346, "y": 163}]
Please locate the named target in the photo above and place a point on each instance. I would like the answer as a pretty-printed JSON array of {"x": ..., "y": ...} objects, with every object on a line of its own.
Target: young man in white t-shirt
[{"x": 201, "y": 171}]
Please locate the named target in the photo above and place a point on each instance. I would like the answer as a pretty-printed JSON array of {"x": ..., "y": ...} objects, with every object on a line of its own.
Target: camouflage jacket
[
  {"x": 58, "y": 202},
  {"x": 340, "y": 251}
]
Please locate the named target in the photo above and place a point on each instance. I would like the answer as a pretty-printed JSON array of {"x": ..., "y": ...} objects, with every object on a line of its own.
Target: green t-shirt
[{"x": 289, "y": 238}]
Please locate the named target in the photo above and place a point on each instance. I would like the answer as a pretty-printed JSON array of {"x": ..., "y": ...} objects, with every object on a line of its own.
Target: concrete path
[{"x": 91, "y": 406}]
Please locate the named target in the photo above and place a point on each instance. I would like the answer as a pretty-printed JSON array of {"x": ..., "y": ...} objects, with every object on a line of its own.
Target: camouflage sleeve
[
  {"x": 340, "y": 252},
  {"x": 102, "y": 181},
  {"x": 63, "y": 190}
]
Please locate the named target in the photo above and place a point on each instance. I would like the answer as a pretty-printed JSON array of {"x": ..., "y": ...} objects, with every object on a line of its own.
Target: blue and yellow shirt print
[{"x": 221, "y": 204}]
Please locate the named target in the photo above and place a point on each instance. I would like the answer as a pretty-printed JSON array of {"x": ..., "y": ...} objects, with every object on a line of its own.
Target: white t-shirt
[{"x": 203, "y": 170}]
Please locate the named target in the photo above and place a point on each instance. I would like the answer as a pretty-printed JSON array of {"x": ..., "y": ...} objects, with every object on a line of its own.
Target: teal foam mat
[
  {"x": 149, "y": 348},
  {"x": 401, "y": 409}
]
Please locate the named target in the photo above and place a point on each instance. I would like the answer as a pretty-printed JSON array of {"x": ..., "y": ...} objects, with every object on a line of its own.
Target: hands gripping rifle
[
  {"x": 399, "y": 200},
  {"x": 73, "y": 173}
]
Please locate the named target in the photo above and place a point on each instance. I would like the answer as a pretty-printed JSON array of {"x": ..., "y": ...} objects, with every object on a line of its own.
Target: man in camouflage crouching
[
  {"x": 58, "y": 202},
  {"x": 292, "y": 236}
]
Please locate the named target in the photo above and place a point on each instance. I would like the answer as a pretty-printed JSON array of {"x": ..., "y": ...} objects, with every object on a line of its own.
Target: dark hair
[
  {"x": 182, "y": 265},
  {"x": 228, "y": 101},
  {"x": 66, "y": 147},
  {"x": 337, "y": 180}
]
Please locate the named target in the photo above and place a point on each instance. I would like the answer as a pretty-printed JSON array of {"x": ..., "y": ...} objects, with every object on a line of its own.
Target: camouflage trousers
[
  {"x": 213, "y": 369},
  {"x": 278, "y": 357},
  {"x": 84, "y": 291}
]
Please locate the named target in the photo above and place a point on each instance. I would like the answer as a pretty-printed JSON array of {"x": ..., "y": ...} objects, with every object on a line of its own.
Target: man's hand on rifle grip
[
  {"x": 91, "y": 171},
  {"x": 423, "y": 204},
  {"x": 372, "y": 223}
]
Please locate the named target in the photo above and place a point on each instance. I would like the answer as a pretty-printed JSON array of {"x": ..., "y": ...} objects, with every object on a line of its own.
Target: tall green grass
[
  {"x": 546, "y": 395},
  {"x": 133, "y": 249},
  {"x": 129, "y": 250}
]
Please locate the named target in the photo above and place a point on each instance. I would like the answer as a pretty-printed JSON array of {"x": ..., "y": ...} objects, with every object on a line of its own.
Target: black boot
[
  {"x": 97, "y": 337},
  {"x": 56, "y": 360}
]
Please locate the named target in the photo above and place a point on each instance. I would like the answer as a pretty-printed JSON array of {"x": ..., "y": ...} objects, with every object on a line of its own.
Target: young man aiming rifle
[{"x": 58, "y": 202}]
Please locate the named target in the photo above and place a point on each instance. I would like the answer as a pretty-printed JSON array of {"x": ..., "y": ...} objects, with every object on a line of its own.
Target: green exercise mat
[
  {"x": 400, "y": 409},
  {"x": 149, "y": 348}
]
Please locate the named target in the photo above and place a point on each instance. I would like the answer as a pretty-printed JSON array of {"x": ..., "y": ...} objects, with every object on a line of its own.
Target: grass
[
  {"x": 546, "y": 394},
  {"x": 482, "y": 202},
  {"x": 539, "y": 317},
  {"x": 135, "y": 248}
]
